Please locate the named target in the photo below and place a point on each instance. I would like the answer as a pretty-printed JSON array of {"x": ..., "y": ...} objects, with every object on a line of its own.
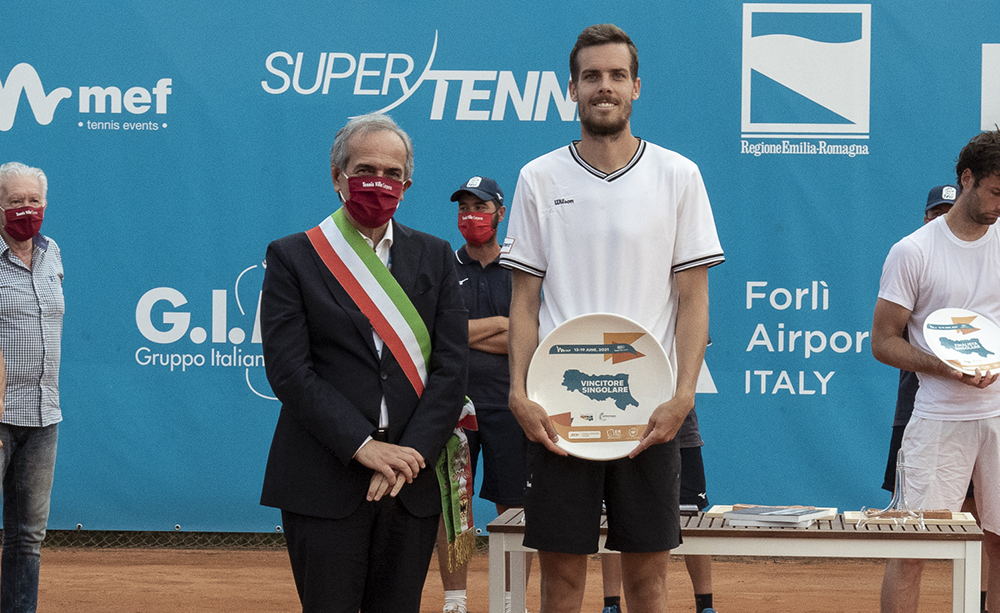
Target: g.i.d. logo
[
  {"x": 806, "y": 70},
  {"x": 175, "y": 337}
]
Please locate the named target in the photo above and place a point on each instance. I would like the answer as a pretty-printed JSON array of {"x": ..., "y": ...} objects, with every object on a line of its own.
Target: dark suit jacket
[{"x": 322, "y": 365}]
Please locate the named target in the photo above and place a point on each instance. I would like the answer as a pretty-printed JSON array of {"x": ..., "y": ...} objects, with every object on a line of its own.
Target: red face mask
[
  {"x": 373, "y": 200},
  {"x": 477, "y": 228},
  {"x": 24, "y": 223}
]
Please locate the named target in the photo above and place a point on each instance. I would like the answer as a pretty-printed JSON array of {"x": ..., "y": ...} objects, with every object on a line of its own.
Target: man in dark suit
[{"x": 365, "y": 339}]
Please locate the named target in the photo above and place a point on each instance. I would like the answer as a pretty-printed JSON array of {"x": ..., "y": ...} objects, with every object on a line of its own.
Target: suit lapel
[{"x": 404, "y": 257}]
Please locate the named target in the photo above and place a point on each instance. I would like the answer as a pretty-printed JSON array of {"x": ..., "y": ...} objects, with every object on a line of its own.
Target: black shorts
[
  {"x": 562, "y": 505},
  {"x": 502, "y": 442},
  {"x": 889, "y": 480},
  {"x": 693, "y": 489}
]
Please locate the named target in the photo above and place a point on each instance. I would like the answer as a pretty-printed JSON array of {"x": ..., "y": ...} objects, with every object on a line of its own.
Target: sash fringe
[{"x": 460, "y": 551}]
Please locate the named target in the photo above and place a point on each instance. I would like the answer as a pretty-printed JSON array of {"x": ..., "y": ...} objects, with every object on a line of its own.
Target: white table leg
[
  {"x": 498, "y": 571},
  {"x": 965, "y": 579},
  {"x": 518, "y": 581}
]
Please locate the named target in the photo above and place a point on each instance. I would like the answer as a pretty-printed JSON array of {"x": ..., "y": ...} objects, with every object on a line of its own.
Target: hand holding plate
[
  {"x": 535, "y": 423},
  {"x": 663, "y": 424}
]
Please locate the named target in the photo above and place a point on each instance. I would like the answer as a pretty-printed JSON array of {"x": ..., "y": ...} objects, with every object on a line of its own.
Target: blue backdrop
[{"x": 180, "y": 138}]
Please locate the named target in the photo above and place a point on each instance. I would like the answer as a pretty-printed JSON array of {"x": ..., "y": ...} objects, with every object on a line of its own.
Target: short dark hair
[
  {"x": 602, "y": 34},
  {"x": 981, "y": 155}
]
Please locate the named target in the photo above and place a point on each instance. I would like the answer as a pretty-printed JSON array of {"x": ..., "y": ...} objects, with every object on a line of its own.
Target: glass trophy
[{"x": 898, "y": 510}]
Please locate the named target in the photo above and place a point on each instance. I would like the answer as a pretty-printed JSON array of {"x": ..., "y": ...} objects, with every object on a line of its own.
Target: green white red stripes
[{"x": 377, "y": 294}]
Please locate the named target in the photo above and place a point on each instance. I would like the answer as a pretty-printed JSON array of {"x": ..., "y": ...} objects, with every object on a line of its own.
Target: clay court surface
[{"x": 168, "y": 580}]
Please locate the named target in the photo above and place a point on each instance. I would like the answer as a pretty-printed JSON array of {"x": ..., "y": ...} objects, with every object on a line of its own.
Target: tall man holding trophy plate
[{"x": 611, "y": 236}]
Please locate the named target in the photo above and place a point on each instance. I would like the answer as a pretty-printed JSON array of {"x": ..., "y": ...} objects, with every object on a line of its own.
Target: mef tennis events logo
[
  {"x": 806, "y": 79},
  {"x": 483, "y": 95},
  {"x": 94, "y": 100}
]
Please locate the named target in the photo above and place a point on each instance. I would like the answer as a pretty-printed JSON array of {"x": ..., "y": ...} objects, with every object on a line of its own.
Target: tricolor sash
[
  {"x": 376, "y": 292},
  {"x": 455, "y": 478}
]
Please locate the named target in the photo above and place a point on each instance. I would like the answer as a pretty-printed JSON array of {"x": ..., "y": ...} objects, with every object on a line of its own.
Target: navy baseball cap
[
  {"x": 942, "y": 194},
  {"x": 483, "y": 187}
]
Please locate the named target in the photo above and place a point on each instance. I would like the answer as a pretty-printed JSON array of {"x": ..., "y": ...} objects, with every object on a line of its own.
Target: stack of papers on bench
[{"x": 783, "y": 517}]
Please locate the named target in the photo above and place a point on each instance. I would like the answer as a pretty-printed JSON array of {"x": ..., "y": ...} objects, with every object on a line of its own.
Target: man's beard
[
  {"x": 975, "y": 209},
  {"x": 611, "y": 126}
]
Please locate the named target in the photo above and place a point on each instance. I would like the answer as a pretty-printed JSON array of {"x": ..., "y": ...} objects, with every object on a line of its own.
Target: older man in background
[{"x": 31, "y": 316}]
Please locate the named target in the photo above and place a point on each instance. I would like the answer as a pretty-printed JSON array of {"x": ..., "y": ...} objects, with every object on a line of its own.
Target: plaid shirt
[{"x": 31, "y": 316}]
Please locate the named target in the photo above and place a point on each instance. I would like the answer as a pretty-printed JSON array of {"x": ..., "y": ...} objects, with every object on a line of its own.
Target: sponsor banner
[
  {"x": 528, "y": 96},
  {"x": 174, "y": 343},
  {"x": 180, "y": 139},
  {"x": 99, "y": 107},
  {"x": 806, "y": 79}
]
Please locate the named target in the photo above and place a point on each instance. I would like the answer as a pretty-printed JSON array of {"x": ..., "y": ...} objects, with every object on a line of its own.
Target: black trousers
[{"x": 373, "y": 561}]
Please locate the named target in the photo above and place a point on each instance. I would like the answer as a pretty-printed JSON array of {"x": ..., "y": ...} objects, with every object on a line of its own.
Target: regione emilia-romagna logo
[
  {"x": 393, "y": 77},
  {"x": 806, "y": 78},
  {"x": 99, "y": 107}
]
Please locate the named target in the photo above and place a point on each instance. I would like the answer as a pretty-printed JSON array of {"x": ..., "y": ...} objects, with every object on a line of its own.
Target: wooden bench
[{"x": 831, "y": 538}]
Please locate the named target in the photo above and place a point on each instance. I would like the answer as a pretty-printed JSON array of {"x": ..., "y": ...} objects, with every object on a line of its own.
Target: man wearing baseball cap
[
  {"x": 939, "y": 201},
  {"x": 486, "y": 287},
  {"x": 948, "y": 262}
]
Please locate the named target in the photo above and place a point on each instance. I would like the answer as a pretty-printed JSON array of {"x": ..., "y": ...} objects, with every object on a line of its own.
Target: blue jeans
[{"x": 27, "y": 464}]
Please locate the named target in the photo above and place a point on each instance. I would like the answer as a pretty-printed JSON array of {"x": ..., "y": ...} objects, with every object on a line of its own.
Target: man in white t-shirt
[
  {"x": 954, "y": 433},
  {"x": 610, "y": 223}
]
